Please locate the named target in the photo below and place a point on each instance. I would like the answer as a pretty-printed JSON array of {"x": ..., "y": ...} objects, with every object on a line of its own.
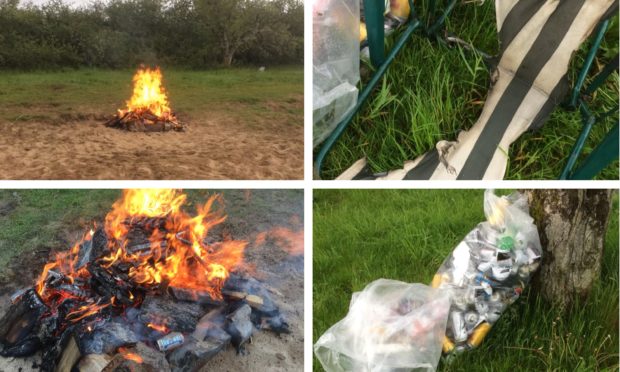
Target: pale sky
[{"x": 72, "y": 3}]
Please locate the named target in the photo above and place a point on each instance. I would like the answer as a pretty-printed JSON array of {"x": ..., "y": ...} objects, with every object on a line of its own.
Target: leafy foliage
[{"x": 124, "y": 33}]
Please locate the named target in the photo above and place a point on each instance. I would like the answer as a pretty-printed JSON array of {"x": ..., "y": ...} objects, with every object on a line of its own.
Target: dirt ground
[
  {"x": 213, "y": 147},
  {"x": 253, "y": 216}
]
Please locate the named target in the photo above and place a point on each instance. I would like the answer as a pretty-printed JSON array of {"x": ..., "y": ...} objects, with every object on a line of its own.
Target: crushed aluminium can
[
  {"x": 458, "y": 326},
  {"x": 170, "y": 341}
]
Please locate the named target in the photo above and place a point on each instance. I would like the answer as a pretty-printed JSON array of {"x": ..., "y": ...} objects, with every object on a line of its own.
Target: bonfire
[
  {"x": 149, "y": 287},
  {"x": 148, "y": 110}
]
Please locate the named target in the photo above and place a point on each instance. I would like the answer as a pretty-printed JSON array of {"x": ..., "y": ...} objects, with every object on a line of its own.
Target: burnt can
[
  {"x": 170, "y": 341},
  {"x": 459, "y": 331},
  {"x": 478, "y": 334},
  {"x": 18, "y": 295}
]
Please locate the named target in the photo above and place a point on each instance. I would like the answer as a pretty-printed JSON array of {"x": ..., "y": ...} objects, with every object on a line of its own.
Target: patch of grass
[
  {"x": 41, "y": 218},
  {"x": 431, "y": 93},
  {"x": 363, "y": 235},
  {"x": 236, "y": 93}
]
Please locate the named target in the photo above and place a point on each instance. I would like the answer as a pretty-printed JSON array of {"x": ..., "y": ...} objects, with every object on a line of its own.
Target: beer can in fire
[{"x": 170, "y": 341}]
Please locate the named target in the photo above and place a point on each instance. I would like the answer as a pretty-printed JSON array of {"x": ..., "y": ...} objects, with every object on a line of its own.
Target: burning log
[
  {"x": 20, "y": 324},
  {"x": 146, "y": 223},
  {"x": 181, "y": 317},
  {"x": 192, "y": 295},
  {"x": 107, "y": 338},
  {"x": 92, "y": 249},
  {"x": 140, "y": 358},
  {"x": 109, "y": 285},
  {"x": 147, "y": 110}
]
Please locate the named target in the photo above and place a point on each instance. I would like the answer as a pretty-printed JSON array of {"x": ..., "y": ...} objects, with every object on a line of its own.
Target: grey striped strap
[{"x": 537, "y": 40}]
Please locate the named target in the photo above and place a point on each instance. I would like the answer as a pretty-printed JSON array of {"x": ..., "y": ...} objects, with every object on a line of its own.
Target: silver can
[
  {"x": 458, "y": 327},
  {"x": 471, "y": 319},
  {"x": 170, "y": 341}
]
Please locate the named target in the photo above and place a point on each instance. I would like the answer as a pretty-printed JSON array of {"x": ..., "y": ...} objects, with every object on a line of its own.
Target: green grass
[
  {"x": 431, "y": 93},
  {"x": 363, "y": 235},
  {"x": 237, "y": 93},
  {"x": 40, "y": 218}
]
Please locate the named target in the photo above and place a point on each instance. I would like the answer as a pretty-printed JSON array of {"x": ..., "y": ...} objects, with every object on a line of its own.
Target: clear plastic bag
[
  {"x": 390, "y": 326},
  {"x": 488, "y": 270},
  {"x": 335, "y": 32}
]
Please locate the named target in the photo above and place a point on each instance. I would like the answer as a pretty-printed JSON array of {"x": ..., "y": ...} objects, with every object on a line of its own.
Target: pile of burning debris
[
  {"x": 148, "y": 291},
  {"x": 148, "y": 109}
]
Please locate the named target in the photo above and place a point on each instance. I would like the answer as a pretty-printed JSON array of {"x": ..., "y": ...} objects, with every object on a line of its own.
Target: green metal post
[
  {"x": 373, "y": 15},
  {"x": 363, "y": 96},
  {"x": 432, "y": 30},
  {"x": 581, "y": 140},
  {"x": 599, "y": 79},
  {"x": 601, "y": 157},
  {"x": 600, "y": 33}
]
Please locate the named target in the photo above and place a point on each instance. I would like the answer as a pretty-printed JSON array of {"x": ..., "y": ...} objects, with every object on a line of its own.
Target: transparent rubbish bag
[
  {"x": 488, "y": 270},
  {"x": 335, "y": 63},
  {"x": 391, "y": 326}
]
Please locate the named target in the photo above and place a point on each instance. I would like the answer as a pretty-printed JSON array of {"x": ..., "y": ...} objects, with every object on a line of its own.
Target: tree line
[{"x": 124, "y": 33}]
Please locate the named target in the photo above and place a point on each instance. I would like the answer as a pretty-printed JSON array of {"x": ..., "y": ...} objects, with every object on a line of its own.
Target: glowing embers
[{"x": 148, "y": 109}]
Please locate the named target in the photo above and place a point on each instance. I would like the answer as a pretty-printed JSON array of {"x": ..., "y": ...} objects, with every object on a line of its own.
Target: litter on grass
[
  {"x": 395, "y": 326},
  {"x": 488, "y": 270},
  {"x": 391, "y": 325}
]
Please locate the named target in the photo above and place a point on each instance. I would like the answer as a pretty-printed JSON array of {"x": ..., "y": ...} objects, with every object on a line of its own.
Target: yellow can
[
  {"x": 363, "y": 32},
  {"x": 448, "y": 345},
  {"x": 479, "y": 334},
  {"x": 400, "y": 9}
]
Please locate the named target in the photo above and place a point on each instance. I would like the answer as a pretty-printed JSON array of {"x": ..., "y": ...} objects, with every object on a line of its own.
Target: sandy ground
[
  {"x": 273, "y": 264},
  {"x": 211, "y": 148}
]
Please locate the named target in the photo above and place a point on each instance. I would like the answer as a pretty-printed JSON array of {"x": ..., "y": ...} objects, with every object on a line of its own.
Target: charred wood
[{"x": 20, "y": 324}]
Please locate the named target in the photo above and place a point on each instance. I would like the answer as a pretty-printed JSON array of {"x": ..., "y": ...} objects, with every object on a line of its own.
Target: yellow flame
[{"x": 149, "y": 93}]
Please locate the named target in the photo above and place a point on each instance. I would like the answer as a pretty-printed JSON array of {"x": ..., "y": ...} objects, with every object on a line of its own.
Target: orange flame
[
  {"x": 129, "y": 355},
  {"x": 289, "y": 240},
  {"x": 148, "y": 93},
  {"x": 86, "y": 311},
  {"x": 158, "y": 327},
  {"x": 65, "y": 263}
]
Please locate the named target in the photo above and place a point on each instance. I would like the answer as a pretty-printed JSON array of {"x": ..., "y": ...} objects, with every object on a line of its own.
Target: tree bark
[{"x": 572, "y": 226}]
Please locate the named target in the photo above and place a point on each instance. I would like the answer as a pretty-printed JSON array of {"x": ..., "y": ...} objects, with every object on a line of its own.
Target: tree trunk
[
  {"x": 572, "y": 226},
  {"x": 228, "y": 58}
]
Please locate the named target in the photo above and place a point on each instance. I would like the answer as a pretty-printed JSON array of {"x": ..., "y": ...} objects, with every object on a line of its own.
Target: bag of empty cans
[
  {"x": 488, "y": 270},
  {"x": 391, "y": 326}
]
